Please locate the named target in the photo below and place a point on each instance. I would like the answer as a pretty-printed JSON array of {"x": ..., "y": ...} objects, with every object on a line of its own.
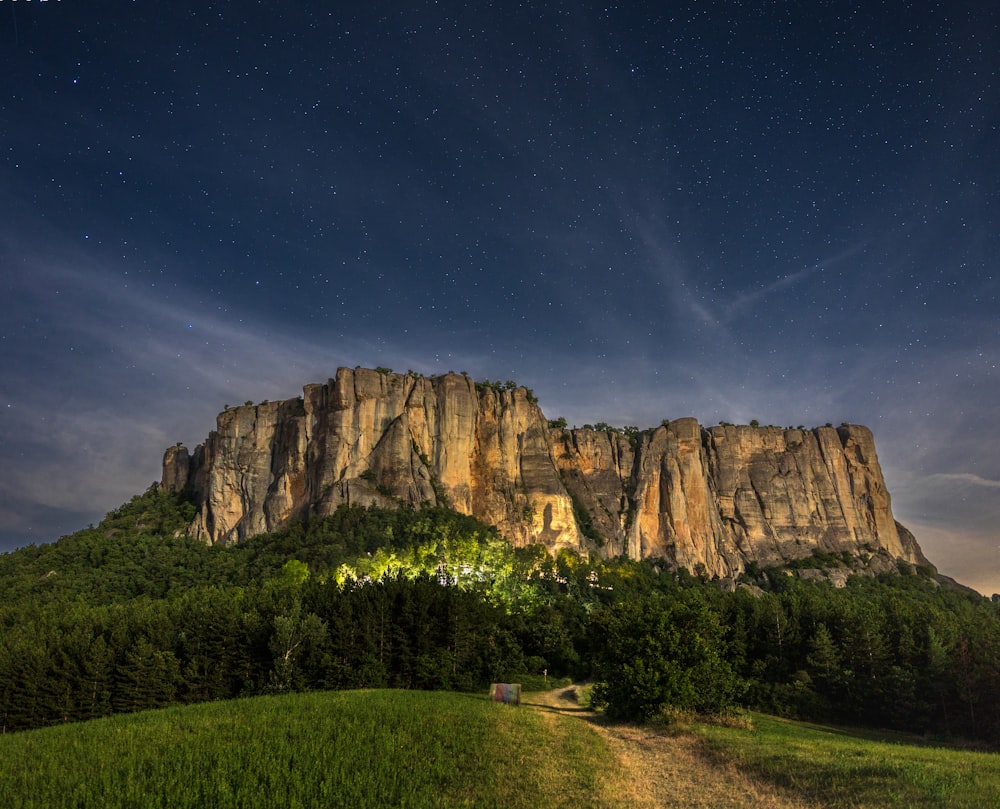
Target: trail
[{"x": 660, "y": 770}]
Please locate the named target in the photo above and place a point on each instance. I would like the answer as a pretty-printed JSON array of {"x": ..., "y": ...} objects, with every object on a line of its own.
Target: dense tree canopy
[
  {"x": 659, "y": 651},
  {"x": 132, "y": 614}
]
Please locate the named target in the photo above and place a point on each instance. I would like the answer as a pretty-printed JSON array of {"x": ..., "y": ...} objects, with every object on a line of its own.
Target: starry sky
[{"x": 787, "y": 212}]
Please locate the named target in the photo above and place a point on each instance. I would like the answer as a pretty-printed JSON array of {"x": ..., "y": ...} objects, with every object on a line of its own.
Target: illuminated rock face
[
  {"x": 379, "y": 438},
  {"x": 711, "y": 499}
]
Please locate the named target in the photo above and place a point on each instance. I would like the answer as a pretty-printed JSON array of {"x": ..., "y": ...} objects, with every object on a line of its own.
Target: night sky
[{"x": 733, "y": 211}]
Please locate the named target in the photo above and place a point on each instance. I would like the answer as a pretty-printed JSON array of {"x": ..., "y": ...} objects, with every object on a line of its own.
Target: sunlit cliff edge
[{"x": 711, "y": 499}]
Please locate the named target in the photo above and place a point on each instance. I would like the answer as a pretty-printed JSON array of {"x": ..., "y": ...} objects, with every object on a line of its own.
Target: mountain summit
[{"x": 711, "y": 499}]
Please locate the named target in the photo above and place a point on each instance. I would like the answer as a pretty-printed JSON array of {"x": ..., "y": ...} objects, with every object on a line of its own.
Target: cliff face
[{"x": 710, "y": 499}]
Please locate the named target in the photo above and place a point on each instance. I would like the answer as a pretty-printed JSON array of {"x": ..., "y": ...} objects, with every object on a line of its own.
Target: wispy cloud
[
  {"x": 130, "y": 370},
  {"x": 964, "y": 477}
]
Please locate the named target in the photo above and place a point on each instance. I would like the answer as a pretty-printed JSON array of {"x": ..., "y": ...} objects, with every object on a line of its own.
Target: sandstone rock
[
  {"x": 176, "y": 468},
  {"x": 711, "y": 500}
]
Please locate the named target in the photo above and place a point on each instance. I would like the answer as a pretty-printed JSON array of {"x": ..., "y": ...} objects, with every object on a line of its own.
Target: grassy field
[
  {"x": 837, "y": 768},
  {"x": 416, "y": 749},
  {"x": 352, "y": 749}
]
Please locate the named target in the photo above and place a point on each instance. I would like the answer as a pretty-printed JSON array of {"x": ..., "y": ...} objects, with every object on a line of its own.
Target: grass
[
  {"x": 418, "y": 749},
  {"x": 358, "y": 749},
  {"x": 838, "y": 768},
  {"x": 538, "y": 682}
]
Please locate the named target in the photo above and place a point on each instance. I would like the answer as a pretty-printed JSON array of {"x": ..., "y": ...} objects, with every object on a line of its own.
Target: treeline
[
  {"x": 126, "y": 615},
  {"x": 131, "y": 615}
]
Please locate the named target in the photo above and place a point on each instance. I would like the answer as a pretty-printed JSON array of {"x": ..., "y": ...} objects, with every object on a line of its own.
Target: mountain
[{"x": 713, "y": 500}]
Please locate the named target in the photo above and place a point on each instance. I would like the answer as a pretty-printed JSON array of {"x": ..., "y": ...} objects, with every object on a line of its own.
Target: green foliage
[
  {"x": 417, "y": 451},
  {"x": 139, "y": 549},
  {"x": 536, "y": 681},
  {"x": 823, "y": 560},
  {"x": 157, "y": 511},
  {"x": 498, "y": 387},
  {"x": 585, "y": 523},
  {"x": 654, "y": 653},
  {"x": 355, "y": 599},
  {"x": 557, "y": 424},
  {"x": 134, "y": 614},
  {"x": 295, "y": 634}
]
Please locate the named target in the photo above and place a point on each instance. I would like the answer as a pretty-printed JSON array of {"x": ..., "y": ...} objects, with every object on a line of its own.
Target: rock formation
[{"x": 710, "y": 499}]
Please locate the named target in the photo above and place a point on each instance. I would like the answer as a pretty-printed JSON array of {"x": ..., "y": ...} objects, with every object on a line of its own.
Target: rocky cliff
[{"x": 710, "y": 499}]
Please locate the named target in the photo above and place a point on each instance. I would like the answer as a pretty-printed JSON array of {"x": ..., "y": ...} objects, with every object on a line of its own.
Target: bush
[{"x": 654, "y": 653}]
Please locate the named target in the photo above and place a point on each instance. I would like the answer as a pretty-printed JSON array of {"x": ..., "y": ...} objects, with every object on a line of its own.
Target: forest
[{"x": 132, "y": 614}]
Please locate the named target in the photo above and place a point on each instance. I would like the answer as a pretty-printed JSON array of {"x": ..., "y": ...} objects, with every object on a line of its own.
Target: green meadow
[
  {"x": 389, "y": 748},
  {"x": 352, "y": 749},
  {"x": 834, "y": 767}
]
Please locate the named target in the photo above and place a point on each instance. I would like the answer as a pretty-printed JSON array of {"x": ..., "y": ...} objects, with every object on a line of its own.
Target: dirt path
[{"x": 660, "y": 770}]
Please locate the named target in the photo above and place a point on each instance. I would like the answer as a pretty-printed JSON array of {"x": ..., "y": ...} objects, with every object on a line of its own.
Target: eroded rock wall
[{"x": 711, "y": 500}]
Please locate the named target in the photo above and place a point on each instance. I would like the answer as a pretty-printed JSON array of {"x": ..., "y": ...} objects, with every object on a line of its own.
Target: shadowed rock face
[{"x": 710, "y": 499}]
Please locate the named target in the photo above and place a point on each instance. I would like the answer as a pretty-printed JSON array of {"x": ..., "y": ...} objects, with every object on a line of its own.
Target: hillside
[
  {"x": 416, "y": 749},
  {"x": 133, "y": 614}
]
